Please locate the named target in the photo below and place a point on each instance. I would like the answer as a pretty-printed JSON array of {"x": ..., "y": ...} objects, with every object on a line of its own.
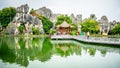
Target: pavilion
[{"x": 64, "y": 28}]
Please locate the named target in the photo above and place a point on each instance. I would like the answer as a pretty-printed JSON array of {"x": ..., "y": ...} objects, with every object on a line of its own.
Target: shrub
[
  {"x": 52, "y": 31},
  {"x": 21, "y": 28},
  {"x": 35, "y": 31},
  {"x": 47, "y": 24},
  {"x": 116, "y": 29},
  {"x": 73, "y": 32}
]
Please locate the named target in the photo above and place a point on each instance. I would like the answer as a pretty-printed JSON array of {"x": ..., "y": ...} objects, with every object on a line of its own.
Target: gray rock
[
  {"x": 0, "y": 27},
  {"x": 74, "y": 20},
  {"x": 113, "y": 24},
  {"x": 79, "y": 18},
  {"x": 37, "y": 21},
  {"x": 104, "y": 25},
  {"x": 104, "y": 18},
  {"x": 53, "y": 18},
  {"x": 11, "y": 28},
  {"x": 27, "y": 20},
  {"x": 44, "y": 12},
  {"x": 92, "y": 16},
  {"x": 23, "y": 9}
]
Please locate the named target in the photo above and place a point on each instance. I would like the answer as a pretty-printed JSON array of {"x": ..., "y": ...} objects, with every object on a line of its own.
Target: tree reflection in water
[{"x": 21, "y": 50}]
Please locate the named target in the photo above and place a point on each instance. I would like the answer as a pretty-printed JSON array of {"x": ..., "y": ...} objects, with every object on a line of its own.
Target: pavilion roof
[{"x": 64, "y": 24}]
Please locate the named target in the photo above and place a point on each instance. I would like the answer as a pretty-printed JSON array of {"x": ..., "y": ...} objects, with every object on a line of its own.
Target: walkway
[{"x": 100, "y": 40}]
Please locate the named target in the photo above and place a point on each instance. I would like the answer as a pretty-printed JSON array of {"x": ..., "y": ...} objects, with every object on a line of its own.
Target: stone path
[{"x": 100, "y": 40}]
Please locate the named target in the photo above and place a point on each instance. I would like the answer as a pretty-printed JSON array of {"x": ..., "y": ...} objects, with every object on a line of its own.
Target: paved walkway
[{"x": 100, "y": 40}]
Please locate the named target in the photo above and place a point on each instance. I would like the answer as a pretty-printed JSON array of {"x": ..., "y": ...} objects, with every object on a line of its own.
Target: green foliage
[
  {"x": 6, "y": 33},
  {"x": 35, "y": 41},
  {"x": 6, "y": 15},
  {"x": 92, "y": 51},
  {"x": 62, "y": 18},
  {"x": 46, "y": 50},
  {"x": 35, "y": 31},
  {"x": 32, "y": 11},
  {"x": 21, "y": 43},
  {"x": 47, "y": 24},
  {"x": 52, "y": 31},
  {"x": 65, "y": 53},
  {"x": 90, "y": 25},
  {"x": 103, "y": 52},
  {"x": 74, "y": 32},
  {"x": 21, "y": 28},
  {"x": 47, "y": 45},
  {"x": 116, "y": 29}
]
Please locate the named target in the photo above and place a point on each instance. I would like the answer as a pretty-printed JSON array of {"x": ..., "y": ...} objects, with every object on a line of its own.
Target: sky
[{"x": 110, "y": 8}]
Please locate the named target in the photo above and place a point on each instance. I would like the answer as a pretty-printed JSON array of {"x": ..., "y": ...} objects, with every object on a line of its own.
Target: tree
[
  {"x": 62, "y": 18},
  {"x": 21, "y": 28},
  {"x": 90, "y": 25},
  {"x": 47, "y": 24},
  {"x": 116, "y": 29},
  {"x": 6, "y": 15},
  {"x": 32, "y": 11}
]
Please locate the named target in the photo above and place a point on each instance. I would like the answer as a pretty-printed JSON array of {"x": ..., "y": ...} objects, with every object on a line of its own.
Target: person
[
  {"x": 88, "y": 34},
  {"x": 78, "y": 33}
]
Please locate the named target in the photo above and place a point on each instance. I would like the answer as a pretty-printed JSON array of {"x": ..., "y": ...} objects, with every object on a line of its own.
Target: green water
[{"x": 18, "y": 52}]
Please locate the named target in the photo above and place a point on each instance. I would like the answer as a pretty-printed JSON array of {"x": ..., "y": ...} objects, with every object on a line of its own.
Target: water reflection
[{"x": 22, "y": 50}]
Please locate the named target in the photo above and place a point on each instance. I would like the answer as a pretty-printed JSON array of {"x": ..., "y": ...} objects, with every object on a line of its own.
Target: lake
[{"x": 42, "y": 52}]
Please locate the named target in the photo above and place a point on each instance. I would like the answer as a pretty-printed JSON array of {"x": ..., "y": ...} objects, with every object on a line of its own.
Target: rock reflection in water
[{"x": 22, "y": 50}]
